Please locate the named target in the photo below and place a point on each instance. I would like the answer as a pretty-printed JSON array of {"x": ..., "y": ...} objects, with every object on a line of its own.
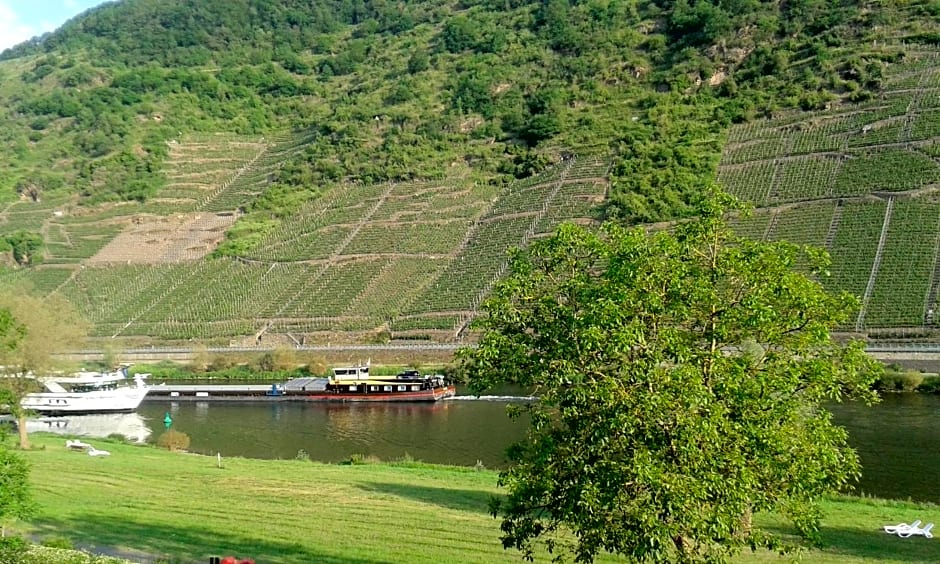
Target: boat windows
[
  {"x": 387, "y": 388},
  {"x": 415, "y": 388},
  {"x": 352, "y": 388}
]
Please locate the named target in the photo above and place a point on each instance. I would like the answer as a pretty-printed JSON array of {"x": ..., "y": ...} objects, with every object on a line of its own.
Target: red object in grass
[{"x": 229, "y": 560}]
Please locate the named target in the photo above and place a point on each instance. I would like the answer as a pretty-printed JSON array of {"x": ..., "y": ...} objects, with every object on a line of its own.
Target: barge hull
[
  {"x": 230, "y": 395},
  {"x": 425, "y": 395}
]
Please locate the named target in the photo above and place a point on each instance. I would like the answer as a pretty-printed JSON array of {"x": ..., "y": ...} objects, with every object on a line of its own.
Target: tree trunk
[
  {"x": 747, "y": 522},
  {"x": 24, "y": 436}
]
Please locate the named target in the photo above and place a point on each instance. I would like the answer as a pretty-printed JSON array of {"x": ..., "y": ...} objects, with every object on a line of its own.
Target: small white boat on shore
[{"x": 88, "y": 392}]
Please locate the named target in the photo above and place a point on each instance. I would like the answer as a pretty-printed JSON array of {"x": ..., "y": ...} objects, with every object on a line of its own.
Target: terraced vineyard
[
  {"x": 404, "y": 258},
  {"x": 418, "y": 258},
  {"x": 863, "y": 181}
]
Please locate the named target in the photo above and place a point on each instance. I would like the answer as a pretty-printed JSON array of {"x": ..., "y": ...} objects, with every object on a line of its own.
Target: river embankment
[{"x": 186, "y": 508}]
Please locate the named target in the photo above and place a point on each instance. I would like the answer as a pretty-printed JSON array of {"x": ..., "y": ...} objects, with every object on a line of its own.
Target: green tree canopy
[
  {"x": 680, "y": 378},
  {"x": 43, "y": 327}
]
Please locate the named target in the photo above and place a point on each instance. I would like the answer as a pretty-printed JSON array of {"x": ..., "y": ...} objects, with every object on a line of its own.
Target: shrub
[
  {"x": 906, "y": 381},
  {"x": 930, "y": 385},
  {"x": 58, "y": 542},
  {"x": 12, "y": 549},
  {"x": 314, "y": 365},
  {"x": 381, "y": 337},
  {"x": 279, "y": 360},
  {"x": 173, "y": 441},
  {"x": 360, "y": 459},
  {"x": 221, "y": 362},
  {"x": 910, "y": 380}
]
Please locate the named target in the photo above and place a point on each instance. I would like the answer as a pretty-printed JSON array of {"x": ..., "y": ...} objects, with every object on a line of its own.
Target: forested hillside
[
  {"x": 403, "y": 90},
  {"x": 117, "y": 116}
]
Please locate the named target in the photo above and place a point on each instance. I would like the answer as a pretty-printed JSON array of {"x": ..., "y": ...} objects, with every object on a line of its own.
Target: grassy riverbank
[{"x": 185, "y": 508}]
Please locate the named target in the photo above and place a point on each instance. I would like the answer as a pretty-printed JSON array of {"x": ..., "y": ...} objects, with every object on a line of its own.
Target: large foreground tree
[
  {"x": 681, "y": 378},
  {"x": 46, "y": 326}
]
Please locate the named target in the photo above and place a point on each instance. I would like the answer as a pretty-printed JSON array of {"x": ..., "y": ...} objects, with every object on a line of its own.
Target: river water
[{"x": 898, "y": 440}]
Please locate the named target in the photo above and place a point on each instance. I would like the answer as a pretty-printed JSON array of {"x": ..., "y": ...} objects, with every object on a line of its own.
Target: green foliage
[
  {"x": 524, "y": 163},
  {"x": 930, "y": 385},
  {"x": 58, "y": 542},
  {"x": 278, "y": 360},
  {"x": 102, "y": 95},
  {"x": 375, "y": 93},
  {"x": 173, "y": 440},
  {"x": 16, "y": 500},
  {"x": 900, "y": 381},
  {"x": 680, "y": 379},
  {"x": 419, "y": 61},
  {"x": 240, "y": 239},
  {"x": 166, "y": 370},
  {"x": 357, "y": 459},
  {"x": 280, "y": 364},
  {"x": 12, "y": 549},
  {"x": 12, "y": 332},
  {"x": 12, "y": 388},
  {"x": 665, "y": 155},
  {"x": 27, "y": 247}
]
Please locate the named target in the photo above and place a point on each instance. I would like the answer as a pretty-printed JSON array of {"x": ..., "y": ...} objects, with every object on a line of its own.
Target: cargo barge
[{"x": 346, "y": 384}]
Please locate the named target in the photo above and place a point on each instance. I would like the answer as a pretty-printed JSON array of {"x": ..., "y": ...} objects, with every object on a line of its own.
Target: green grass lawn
[{"x": 184, "y": 508}]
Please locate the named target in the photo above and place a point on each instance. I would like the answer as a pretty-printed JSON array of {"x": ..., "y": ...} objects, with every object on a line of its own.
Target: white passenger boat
[{"x": 88, "y": 392}]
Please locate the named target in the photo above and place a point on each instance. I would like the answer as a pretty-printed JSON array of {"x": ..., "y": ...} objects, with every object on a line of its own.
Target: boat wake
[{"x": 492, "y": 398}]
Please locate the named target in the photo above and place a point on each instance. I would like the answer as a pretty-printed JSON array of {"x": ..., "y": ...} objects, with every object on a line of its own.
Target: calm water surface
[
  {"x": 447, "y": 432},
  {"x": 898, "y": 440}
]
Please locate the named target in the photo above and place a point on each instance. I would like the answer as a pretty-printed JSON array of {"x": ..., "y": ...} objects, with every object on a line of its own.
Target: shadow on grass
[
  {"x": 177, "y": 544},
  {"x": 873, "y": 545},
  {"x": 878, "y": 545},
  {"x": 461, "y": 500}
]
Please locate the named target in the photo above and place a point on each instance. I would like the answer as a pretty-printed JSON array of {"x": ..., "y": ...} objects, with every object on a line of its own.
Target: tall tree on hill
[
  {"x": 43, "y": 327},
  {"x": 680, "y": 378}
]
